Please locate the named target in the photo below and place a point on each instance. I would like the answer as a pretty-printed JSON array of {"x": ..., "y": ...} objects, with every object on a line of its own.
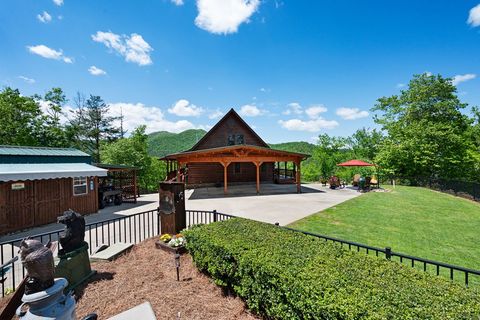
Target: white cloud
[
  {"x": 293, "y": 108},
  {"x": 96, "y": 71},
  {"x": 177, "y": 2},
  {"x": 351, "y": 113},
  {"x": 44, "y": 17},
  {"x": 183, "y": 108},
  {"x": 49, "y": 53},
  {"x": 215, "y": 115},
  {"x": 58, "y": 2},
  {"x": 463, "y": 78},
  {"x": 224, "y": 16},
  {"x": 133, "y": 48},
  {"x": 249, "y": 110},
  {"x": 136, "y": 114},
  {"x": 400, "y": 85},
  {"x": 314, "y": 111},
  {"x": 474, "y": 16},
  {"x": 27, "y": 80},
  {"x": 310, "y": 125}
]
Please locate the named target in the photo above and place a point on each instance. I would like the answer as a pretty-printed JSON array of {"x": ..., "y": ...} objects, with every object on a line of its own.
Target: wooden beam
[
  {"x": 258, "y": 164},
  {"x": 135, "y": 187},
  {"x": 298, "y": 178},
  {"x": 229, "y": 159},
  {"x": 225, "y": 177}
]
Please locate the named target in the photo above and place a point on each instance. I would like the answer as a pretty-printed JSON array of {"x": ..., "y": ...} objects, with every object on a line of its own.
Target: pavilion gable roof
[
  {"x": 237, "y": 150},
  {"x": 232, "y": 114}
]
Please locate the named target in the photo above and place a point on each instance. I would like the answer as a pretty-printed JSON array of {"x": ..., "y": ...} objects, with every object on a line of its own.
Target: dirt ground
[{"x": 149, "y": 274}]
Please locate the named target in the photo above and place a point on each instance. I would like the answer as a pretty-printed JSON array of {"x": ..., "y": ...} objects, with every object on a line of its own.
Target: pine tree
[{"x": 92, "y": 125}]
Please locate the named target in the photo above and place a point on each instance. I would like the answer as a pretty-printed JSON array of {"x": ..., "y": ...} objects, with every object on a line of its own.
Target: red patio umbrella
[{"x": 356, "y": 163}]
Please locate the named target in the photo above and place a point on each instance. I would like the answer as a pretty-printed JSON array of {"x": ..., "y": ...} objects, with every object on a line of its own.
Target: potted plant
[{"x": 171, "y": 243}]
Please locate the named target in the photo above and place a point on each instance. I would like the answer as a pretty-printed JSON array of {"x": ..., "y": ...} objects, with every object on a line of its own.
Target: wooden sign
[{"x": 18, "y": 186}]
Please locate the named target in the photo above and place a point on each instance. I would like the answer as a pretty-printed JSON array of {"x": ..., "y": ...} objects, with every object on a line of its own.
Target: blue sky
[{"x": 293, "y": 69}]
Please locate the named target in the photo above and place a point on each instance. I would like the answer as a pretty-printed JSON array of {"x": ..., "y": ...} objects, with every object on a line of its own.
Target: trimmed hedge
[{"x": 283, "y": 274}]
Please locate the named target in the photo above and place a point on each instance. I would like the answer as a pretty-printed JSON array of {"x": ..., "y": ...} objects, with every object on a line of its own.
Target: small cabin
[
  {"x": 38, "y": 184},
  {"x": 232, "y": 153}
]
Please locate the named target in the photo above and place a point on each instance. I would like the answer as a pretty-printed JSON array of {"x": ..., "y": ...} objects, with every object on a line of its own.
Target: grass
[{"x": 410, "y": 220}]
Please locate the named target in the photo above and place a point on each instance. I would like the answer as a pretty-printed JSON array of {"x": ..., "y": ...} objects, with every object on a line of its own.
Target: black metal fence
[
  {"x": 140, "y": 226},
  {"x": 454, "y": 272},
  {"x": 133, "y": 228},
  {"x": 435, "y": 267},
  {"x": 205, "y": 217},
  {"x": 465, "y": 189}
]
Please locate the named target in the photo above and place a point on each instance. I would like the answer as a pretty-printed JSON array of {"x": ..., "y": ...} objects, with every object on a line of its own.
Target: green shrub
[{"x": 283, "y": 274}]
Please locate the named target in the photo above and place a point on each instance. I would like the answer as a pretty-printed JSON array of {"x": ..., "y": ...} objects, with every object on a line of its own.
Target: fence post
[
  {"x": 388, "y": 253},
  {"x": 158, "y": 221},
  {"x": 214, "y": 215}
]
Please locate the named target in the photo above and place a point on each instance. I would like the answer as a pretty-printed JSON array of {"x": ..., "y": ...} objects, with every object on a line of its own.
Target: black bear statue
[{"x": 72, "y": 237}]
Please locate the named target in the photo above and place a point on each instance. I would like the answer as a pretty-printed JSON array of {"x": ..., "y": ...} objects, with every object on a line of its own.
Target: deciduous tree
[
  {"x": 20, "y": 119},
  {"x": 426, "y": 130}
]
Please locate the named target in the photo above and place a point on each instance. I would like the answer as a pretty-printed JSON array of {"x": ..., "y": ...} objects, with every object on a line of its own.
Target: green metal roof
[
  {"x": 37, "y": 171},
  {"x": 40, "y": 151}
]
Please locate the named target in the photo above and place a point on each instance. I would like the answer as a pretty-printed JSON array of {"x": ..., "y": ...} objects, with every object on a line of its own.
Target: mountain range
[{"x": 162, "y": 143}]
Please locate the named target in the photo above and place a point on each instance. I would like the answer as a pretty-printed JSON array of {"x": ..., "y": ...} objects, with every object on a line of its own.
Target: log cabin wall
[
  {"x": 42, "y": 201},
  {"x": 212, "y": 173}
]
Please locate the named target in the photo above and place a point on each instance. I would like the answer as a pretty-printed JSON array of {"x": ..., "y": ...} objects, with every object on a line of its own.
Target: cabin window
[
  {"x": 237, "y": 168},
  {"x": 80, "y": 186},
  {"x": 240, "y": 139},
  {"x": 231, "y": 140}
]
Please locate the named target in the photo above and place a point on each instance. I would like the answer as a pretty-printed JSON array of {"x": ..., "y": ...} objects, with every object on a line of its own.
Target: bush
[{"x": 283, "y": 274}]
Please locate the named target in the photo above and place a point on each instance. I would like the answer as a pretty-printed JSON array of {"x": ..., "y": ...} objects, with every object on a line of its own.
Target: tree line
[
  {"x": 426, "y": 131},
  {"x": 41, "y": 120}
]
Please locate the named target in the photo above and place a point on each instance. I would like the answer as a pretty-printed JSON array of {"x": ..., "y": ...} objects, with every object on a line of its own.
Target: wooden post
[
  {"x": 135, "y": 186},
  {"x": 258, "y": 164},
  {"x": 178, "y": 172},
  {"x": 298, "y": 178},
  {"x": 225, "y": 174}
]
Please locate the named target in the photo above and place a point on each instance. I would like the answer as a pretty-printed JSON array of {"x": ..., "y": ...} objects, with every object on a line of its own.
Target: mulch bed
[{"x": 149, "y": 274}]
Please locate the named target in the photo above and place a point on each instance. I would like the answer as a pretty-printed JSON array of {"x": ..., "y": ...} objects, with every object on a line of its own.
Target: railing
[
  {"x": 466, "y": 189},
  {"x": 133, "y": 228},
  {"x": 285, "y": 173},
  {"x": 140, "y": 226},
  {"x": 389, "y": 254},
  {"x": 205, "y": 217}
]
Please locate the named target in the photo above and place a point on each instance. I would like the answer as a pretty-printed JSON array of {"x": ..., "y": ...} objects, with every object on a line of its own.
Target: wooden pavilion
[{"x": 231, "y": 152}]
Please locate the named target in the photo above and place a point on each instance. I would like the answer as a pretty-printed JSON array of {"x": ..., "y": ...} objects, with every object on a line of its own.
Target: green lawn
[{"x": 410, "y": 220}]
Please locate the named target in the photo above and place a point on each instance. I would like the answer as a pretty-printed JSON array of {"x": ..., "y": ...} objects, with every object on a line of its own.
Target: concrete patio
[{"x": 275, "y": 203}]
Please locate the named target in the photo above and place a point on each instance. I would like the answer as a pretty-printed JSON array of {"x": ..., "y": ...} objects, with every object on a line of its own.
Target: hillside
[
  {"x": 297, "y": 146},
  {"x": 162, "y": 143}
]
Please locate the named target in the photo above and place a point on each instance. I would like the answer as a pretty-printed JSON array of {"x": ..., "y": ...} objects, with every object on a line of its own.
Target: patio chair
[
  {"x": 334, "y": 182},
  {"x": 356, "y": 178},
  {"x": 374, "y": 182}
]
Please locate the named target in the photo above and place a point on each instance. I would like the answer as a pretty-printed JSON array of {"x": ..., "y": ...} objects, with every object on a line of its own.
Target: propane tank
[{"x": 50, "y": 303}]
